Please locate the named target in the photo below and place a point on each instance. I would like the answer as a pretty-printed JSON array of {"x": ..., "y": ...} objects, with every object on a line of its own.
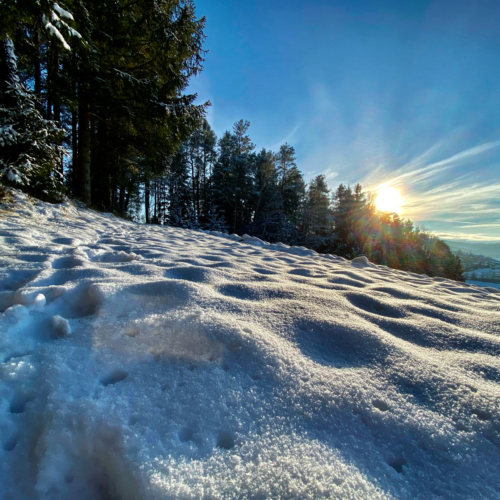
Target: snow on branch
[
  {"x": 55, "y": 32},
  {"x": 56, "y": 16},
  {"x": 62, "y": 12}
]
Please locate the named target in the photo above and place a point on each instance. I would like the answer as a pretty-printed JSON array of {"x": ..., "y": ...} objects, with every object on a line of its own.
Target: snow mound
[{"x": 146, "y": 362}]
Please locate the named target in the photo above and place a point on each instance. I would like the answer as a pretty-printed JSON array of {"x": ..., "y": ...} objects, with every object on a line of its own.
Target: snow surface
[
  {"x": 484, "y": 283},
  {"x": 145, "y": 362}
]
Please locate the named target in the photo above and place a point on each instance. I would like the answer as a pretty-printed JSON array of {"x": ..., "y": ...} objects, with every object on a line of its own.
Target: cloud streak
[
  {"x": 416, "y": 171},
  {"x": 287, "y": 139},
  {"x": 459, "y": 208}
]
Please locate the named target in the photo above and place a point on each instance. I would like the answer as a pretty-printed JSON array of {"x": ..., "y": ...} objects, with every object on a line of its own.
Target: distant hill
[
  {"x": 484, "y": 283},
  {"x": 479, "y": 267},
  {"x": 488, "y": 249}
]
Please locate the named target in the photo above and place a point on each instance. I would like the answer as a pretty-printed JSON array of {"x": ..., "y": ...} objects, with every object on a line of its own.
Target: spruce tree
[
  {"x": 30, "y": 146},
  {"x": 232, "y": 180},
  {"x": 291, "y": 183},
  {"x": 317, "y": 224},
  {"x": 268, "y": 222}
]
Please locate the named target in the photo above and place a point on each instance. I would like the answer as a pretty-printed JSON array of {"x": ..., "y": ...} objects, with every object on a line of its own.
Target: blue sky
[{"x": 405, "y": 93}]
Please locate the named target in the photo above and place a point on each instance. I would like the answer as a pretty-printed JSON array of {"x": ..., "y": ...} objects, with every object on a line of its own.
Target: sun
[{"x": 389, "y": 200}]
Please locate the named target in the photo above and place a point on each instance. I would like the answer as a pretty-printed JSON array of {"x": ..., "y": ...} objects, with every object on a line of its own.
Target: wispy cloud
[
  {"x": 459, "y": 198},
  {"x": 475, "y": 237},
  {"x": 287, "y": 139},
  {"x": 460, "y": 208},
  {"x": 475, "y": 226},
  {"x": 330, "y": 173},
  {"x": 417, "y": 170}
]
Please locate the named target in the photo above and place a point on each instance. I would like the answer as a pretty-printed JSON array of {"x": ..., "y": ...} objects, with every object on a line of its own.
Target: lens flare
[{"x": 389, "y": 200}]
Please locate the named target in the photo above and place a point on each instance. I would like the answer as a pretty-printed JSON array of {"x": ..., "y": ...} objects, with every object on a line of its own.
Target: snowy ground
[
  {"x": 144, "y": 362},
  {"x": 484, "y": 283}
]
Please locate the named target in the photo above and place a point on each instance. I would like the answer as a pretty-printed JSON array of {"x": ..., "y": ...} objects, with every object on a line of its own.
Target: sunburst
[{"x": 389, "y": 200}]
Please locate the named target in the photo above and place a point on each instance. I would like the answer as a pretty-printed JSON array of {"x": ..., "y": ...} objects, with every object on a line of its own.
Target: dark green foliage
[
  {"x": 112, "y": 74},
  {"x": 179, "y": 209},
  {"x": 291, "y": 183},
  {"x": 317, "y": 220},
  {"x": 269, "y": 220},
  {"x": 232, "y": 181},
  {"x": 31, "y": 151}
]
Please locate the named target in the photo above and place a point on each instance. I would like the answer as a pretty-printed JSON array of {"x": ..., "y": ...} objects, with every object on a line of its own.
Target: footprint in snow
[
  {"x": 66, "y": 241},
  {"x": 397, "y": 464},
  {"x": 67, "y": 263},
  {"x": 380, "y": 405},
  {"x": 482, "y": 415},
  {"x": 113, "y": 377},
  {"x": 19, "y": 402},
  {"x": 10, "y": 443},
  {"x": 225, "y": 440}
]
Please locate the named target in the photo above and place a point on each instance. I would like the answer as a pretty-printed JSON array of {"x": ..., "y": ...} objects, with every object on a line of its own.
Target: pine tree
[
  {"x": 119, "y": 92},
  {"x": 30, "y": 146},
  {"x": 268, "y": 222},
  {"x": 200, "y": 149},
  {"x": 180, "y": 211},
  {"x": 214, "y": 219},
  {"x": 208, "y": 213},
  {"x": 131, "y": 80},
  {"x": 291, "y": 183},
  {"x": 232, "y": 181},
  {"x": 317, "y": 227},
  {"x": 453, "y": 268}
]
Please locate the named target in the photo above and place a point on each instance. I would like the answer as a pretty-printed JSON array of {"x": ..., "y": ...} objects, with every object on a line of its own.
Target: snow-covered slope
[{"x": 149, "y": 362}]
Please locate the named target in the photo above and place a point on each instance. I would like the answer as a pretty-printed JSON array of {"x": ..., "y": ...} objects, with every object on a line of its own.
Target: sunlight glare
[{"x": 389, "y": 200}]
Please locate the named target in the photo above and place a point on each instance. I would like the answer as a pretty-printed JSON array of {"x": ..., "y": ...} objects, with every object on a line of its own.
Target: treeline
[
  {"x": 102, "y": 79},
  {"x": 226, "y": 185},
  {"x": 92, "y": 105}
]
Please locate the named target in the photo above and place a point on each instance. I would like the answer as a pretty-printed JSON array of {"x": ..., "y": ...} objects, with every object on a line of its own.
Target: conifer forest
[{"x": 94, "y": 105}]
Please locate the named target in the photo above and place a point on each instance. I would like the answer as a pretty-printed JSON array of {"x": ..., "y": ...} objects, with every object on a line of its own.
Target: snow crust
[{"x": 146, "y": 362}]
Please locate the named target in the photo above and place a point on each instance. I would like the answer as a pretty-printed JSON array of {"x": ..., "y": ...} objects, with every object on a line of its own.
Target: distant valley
[{"x": 479, "y": 267}]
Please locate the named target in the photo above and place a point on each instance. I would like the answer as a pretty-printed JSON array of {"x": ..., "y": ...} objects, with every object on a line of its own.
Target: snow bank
[{"x": 145, "y": 362}]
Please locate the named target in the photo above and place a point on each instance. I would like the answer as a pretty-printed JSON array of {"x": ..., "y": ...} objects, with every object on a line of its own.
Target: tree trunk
[
  {"x": 113, "y": 197},
  {"x": 38, "y": 69},
  {"x": 193, "y": 186},
  {"x": 121, "y": 203},
  {"x": 103, "y": 176},
  {"x": 121, "y": 180},
  {"x": 147, "y": 201},
  {"x": 49, "y": 82},
  {"x": 74, "y": 126},
  {"x": 84, "y": 151},
  {"x": 127, "y": 201},
  {"x": 57, "y": 101},
  {"x": 55, "y": 85},
  {"x": 155, "y": 219}
]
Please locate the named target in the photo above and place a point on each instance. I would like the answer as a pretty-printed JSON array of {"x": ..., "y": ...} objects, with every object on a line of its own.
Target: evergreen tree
[
  {"x": 179, "y": 206},
  {"x": 201, "y": 155},
  {"x": 30, "y": 146},
  {"x": 214, "y": 219},
  {"x": 291, "y": 183},
  {"x": 268, "y": 221},
  {"x": 232, "y": 181},
  {"x": 317, "y": 227},
  {"x": 119, "y": 92},
  {"x": 343, "y": 201}
]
